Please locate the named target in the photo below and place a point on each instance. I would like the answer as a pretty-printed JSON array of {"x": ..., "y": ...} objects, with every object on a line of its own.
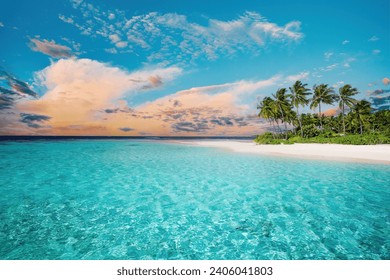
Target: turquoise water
[{"x": 148, "y": 200}]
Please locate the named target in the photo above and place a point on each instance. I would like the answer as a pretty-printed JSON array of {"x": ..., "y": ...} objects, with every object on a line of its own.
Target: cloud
[
  {"x": 386, "y": 81},
  {"x": 50, "y": 48},
  {"x": 114, "y": 38},
  {"x": 112, "y": 111},
  {"x": 111, "y": 50},
  {"x": 379, "y": 91},
  {"x": 111, "y": 16},
  {"x": 338, "y": 84},
  {"x": 332, "y": 112},
  {"x": 211, "y": 110},
  {"x": 6, "y": 102},
  {"x": 12, "y": 91},
  {"x": 121, "y": 44},
  {"x": 223, "y": 121},
  {"x": 347, "y": 62},
  {"x": 1, "y": 24},
  {"x": 240, "y": 87},
  {"x": 380, "y": 99},
  {"x": 12, "y": 86},
  {"x": 373, "y": 39},
  {"x": 298, "y": 77},
  {"x": 329, "y": 67},
  {"x": 79, "y": 91},
  {"x": 33, "y": 120},
  {"x": 190, "y": 127},
  {"x": 87, "y": 97},
  {"x": 376, "y": 51},
  {"x": 126, "y": 129},
  {"x": 170, "y": 35},
  {"x": 66, "y": 19},
  {"x": 76, "y": 46},
  {"x": 327, "y": 55},
  {"x": 345, "y": 42}
]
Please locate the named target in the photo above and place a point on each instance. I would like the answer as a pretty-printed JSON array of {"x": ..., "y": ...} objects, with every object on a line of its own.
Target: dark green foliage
[
  {"x": 356, "y": 139},
  {"x": 310, "y": 130},
  {"x": 380, "y": 121},
  {"x": 360, "y": 126}
]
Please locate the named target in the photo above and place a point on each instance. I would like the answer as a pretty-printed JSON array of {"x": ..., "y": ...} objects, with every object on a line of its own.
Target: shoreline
[{"x": 330, "y": 152}]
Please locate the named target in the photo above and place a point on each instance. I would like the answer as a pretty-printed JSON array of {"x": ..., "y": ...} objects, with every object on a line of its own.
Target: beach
[{"x": 353, "y": 153}]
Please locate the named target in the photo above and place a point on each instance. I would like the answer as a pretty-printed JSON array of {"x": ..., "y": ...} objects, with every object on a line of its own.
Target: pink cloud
[
  {"x": 78, "y": 89},
  {"x": 86, "y": 97},
  {"x": 50, "y": 48}
]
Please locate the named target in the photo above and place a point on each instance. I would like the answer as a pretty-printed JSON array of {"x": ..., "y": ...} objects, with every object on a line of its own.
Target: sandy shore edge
[{"x": 335, "y": 152}]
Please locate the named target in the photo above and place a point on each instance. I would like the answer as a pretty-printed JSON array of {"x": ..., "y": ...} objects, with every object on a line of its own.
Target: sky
[{"x": 179, "y": 67}]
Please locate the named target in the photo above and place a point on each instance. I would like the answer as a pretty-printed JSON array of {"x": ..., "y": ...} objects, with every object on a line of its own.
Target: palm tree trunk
[
  {"x": 277, "y": 123},
  {"x": 271, "y": 123},
  {"x": 361, "y": 127},
  {"x": 319, "y": 106},
  {"x": 300, "y": 122},
  {"x": 343, "y": 120},
  {"x": 285, "y": 129},
  {"x": 284, "y": 121}
]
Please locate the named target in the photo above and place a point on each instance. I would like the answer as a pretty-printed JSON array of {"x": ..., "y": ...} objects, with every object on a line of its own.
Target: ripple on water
[{"x": 142, "y": 200}]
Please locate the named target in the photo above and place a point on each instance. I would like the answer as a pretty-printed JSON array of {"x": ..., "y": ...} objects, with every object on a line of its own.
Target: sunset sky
[{"x": 178, "y": 67}]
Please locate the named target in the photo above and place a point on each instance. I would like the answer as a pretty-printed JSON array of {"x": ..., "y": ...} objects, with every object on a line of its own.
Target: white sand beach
[{"x": 355, "y": 153}]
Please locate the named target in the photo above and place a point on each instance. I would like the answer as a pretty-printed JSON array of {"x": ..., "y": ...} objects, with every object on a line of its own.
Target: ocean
[{"x": 138, "y": 199}]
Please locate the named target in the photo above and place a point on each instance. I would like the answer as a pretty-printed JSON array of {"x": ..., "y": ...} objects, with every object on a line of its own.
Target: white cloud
[
  {"x": 76, "y": 3},
  {"x": 169, "y": 35},
  {"x": 373, "y": 39},
  {"x": 1, "y": 24},
  {"x": 76, "y": 46},
  {"x": 298, "y": 77},
  {"x": 111, "y": 16},
  {"x": 111, "y": 50},
  {"x": 376, "y": 51},
  {"x": 328, "y": 55},
  {"x": 66, "y": 19},
  {"x": 347, "y": 62},
  {"x": 338, "y": 84},
  {"x": 121, "y": 44},
  {"x": 329, "y": 67},
  {"x": 114, "y": 38},
  {"x": 236, "y": 88},
  {"x": 345, "y": 42}
]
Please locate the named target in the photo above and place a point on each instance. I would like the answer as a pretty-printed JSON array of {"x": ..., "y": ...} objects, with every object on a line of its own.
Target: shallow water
[{"x": 151, "y": 200}]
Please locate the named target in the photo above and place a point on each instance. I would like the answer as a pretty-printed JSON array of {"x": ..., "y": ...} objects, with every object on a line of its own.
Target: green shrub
[
  {"x": 329, "y": 138},
  {"x": 310, "y": 130}
]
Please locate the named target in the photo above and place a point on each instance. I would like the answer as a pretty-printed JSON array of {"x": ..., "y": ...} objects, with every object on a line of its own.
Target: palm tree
[
  {"x": 322, "y": 94},
  {"x": 345, "y": 93},
  {"x": 282, "y": 105},
  {"x": 298, "y": 97},
  {"x": 267, "y": 110},
  {"x": 360, "y": 112}
]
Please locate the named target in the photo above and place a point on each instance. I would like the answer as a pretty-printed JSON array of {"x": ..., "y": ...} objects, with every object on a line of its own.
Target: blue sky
[{"x": 178, "y": 67}]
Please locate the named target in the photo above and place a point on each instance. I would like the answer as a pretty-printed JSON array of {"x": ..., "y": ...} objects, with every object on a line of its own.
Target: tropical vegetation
[{"x": 353, "y": 122}]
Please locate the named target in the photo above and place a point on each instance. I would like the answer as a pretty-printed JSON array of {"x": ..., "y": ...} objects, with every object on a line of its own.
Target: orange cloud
[
  {"x": 77, "y": 89},
  {"x": 86, "y": 97},
  {"x": 331, "y": 112}
]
